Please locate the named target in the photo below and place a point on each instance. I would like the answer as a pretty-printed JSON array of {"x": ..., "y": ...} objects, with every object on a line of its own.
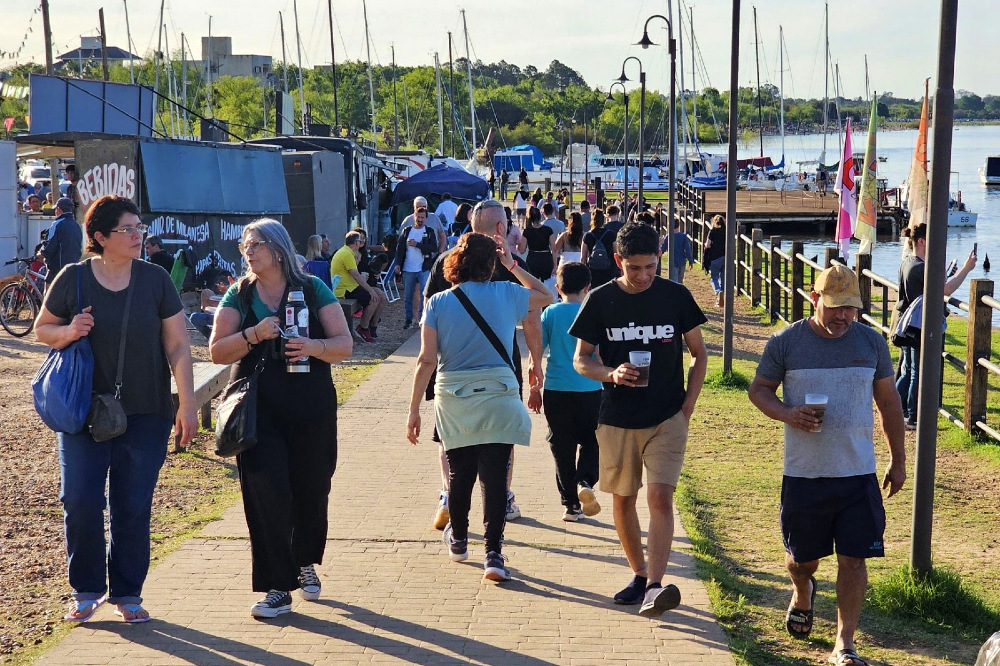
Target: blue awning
[{"x": 213, "y": 178}]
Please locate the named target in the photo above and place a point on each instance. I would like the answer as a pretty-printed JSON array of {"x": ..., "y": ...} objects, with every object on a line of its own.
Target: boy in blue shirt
[{"x": 571, "y": 401}]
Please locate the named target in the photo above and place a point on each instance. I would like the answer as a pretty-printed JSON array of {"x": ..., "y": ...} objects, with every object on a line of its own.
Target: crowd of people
[{"x": 616, "y": 362}]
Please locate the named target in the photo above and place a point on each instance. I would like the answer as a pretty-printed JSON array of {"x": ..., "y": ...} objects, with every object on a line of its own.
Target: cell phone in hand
[{"x": 975, "y": 249}]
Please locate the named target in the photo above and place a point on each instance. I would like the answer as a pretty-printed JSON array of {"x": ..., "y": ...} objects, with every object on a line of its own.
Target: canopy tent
[{"x": 431, "y": 183}]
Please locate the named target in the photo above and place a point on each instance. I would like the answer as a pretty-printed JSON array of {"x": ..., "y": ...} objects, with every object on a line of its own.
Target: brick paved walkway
[{"x": 390, "y": 594}]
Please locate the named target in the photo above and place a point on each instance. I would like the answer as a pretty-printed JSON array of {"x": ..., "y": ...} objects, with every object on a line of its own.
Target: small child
[{"x": 571, "y": 401}]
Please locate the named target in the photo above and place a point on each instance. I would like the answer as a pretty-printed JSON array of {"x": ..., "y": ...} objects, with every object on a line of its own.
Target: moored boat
[{"x": 989, "y": 173}]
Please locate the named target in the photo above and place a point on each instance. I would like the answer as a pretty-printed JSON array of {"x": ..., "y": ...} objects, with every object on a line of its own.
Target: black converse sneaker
[
  {"x": 274, "y": 604},
  {"x": 309, "y": 585}
]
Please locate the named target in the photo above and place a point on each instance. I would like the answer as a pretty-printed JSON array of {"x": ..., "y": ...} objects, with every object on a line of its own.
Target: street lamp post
[
  {"x": 645, "y": 43},
  {"x": 642, "y": 123},
  {"x": 625, "y": 143}
]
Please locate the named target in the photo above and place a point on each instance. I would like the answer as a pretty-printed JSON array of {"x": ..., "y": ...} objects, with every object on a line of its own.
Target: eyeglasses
[
  {"x": 137, "y": 229},
  {"x": 251, "y": 246}
]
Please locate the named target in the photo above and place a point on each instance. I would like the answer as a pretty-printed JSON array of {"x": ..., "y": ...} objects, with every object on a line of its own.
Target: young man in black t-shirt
[{"x": 642, "y": 426}]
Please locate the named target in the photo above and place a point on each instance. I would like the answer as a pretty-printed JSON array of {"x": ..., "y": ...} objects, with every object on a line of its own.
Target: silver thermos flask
[{"x": 296, "y": 325}]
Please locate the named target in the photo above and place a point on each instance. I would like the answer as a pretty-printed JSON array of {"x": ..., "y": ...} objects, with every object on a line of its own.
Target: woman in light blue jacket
[{"x": 477, "y": 404}]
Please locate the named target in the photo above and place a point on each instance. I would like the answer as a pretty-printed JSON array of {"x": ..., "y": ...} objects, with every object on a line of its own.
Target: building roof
[{"x": 114, "y": 53}]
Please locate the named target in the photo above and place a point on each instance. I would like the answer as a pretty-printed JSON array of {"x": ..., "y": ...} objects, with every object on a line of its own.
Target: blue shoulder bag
[{"x": 62, "y": 387}]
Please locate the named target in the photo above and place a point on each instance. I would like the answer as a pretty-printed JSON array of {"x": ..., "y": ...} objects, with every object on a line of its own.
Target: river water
[{"x": 970, "y": 146}]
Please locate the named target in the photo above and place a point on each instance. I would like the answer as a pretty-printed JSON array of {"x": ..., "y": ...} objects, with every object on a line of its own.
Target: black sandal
[
  {"x": 802, "y": 617},
  {"x": 848, "y": 657}
]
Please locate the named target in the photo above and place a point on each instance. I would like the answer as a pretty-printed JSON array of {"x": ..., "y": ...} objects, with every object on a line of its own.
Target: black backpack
[{"x": 599, "y": 259}]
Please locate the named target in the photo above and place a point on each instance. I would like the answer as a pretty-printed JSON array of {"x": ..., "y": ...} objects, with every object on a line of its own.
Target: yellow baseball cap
[{"x": 838, "y": 287}]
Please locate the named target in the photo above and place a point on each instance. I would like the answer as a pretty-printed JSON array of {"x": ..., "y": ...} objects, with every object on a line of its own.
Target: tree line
[{"x": 548, "y": 108}]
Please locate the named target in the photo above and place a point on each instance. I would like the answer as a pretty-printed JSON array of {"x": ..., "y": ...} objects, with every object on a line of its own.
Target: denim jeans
[
  {"x": 410, "y": 281},
  {"x": 909, "y": 381},
  {"x": 131, "y": 465},
  {"x": 203, "y": 321},
  {"x": 717, "y": 271}
]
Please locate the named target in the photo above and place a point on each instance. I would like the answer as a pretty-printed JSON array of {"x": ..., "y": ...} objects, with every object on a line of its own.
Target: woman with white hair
[{"x": 286, "y": 477}]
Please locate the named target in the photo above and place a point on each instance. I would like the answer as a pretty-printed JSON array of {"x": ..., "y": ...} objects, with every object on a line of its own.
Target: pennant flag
[
  {"x": 846, "y": 188},
  {"x": 864, "y": 230},
  {"x": 916, "y": 184},
  {"x": 8, "y": 123}
]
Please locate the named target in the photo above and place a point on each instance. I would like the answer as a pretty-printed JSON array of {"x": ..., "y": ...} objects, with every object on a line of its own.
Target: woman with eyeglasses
[
  {"x": 89, "y": 299},
  {"x": 286, "y": 477}
]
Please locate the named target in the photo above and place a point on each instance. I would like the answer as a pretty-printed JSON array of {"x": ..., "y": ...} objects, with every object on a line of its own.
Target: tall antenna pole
[
  {"x": 298, "y": 47},
  {"x": 284, "y": 58},
  {"x": 371, "y": 84},
  {"x": 333, "y": 68},
  {"x": 47, "y": 29},
  {"x": 208, "y": 88},
  {"x": 395, "y": 106},
  {"x": 472, "y": 102},
  {"x": 451, "y": 94},
  {"x": 128, "y": 36},
  {"x": 437, "y": 79}
]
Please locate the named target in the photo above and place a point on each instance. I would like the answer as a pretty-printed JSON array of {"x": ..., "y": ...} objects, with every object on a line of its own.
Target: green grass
[
  {"x": 734, "y": 381},
  {"x": 941, "y": 600}
]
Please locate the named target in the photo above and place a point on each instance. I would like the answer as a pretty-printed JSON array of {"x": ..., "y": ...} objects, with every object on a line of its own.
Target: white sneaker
[
  {"x": 443, "y": 515},
  {"x": 588, "y": 499},
  {"x": 513, "y": 511},
  {"x": 309, "y": 583}
]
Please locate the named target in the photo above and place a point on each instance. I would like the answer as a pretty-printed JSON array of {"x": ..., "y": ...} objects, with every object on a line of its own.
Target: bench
[
  {"x": 351, "y": 306},
  {"x": 209, "y": 381}
]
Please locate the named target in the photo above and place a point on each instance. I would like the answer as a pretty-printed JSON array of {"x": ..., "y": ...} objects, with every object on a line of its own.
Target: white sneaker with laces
[
  {"x": 309, "y": 583},
  {"x": 274, "y": 604},
  {"x": 513, "y": 511}
]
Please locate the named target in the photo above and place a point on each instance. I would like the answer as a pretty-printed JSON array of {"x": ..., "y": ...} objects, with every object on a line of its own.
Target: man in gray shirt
[
  {"x": 830, "y": 498},
  {"x": 551, "y": 221}
]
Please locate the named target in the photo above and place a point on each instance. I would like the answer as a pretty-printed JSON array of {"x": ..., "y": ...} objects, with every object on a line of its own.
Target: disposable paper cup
[
  {"x": 817, "y": 402},
  {"x": 642, "y": 361}
]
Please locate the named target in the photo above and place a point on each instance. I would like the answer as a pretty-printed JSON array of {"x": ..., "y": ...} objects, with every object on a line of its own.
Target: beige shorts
[{"x": 625, "y": 451}]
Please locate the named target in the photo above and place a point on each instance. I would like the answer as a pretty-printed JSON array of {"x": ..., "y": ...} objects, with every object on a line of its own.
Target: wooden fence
[{"x": 778, "y": 278}]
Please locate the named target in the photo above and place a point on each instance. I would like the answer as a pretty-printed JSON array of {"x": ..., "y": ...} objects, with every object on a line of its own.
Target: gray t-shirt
[
  {"x": 146, "y": 373},
  {"x": 844, "y": 369}
]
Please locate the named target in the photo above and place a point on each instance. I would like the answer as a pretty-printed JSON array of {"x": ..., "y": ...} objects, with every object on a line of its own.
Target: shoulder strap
[
  {"x": 483, "y": 326},
  {"x": 79, "y": 289},
  {"x": 121, "y": 342}
]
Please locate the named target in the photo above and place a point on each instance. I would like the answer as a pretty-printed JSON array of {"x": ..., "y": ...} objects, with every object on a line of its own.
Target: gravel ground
[{"x": 33, "y": 588}]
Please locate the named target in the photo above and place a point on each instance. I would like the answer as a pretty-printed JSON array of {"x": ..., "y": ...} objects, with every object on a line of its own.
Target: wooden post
[
  {"x": 756, "y": 238},
  {"x": 548, "y": 184},
  {"x": 864, "y": 263},
  {"x": 104, "y": 44},
  {"x": 830, "y": 255},
  {"x": 773, "y": 275},
  {"x": 740, "y": 252},
  {"x": 977, "y": 347},
  {"x": 598, "y": 192},
  {"x": 798, "y": 281},
  {"x": 47, "y": 30}
]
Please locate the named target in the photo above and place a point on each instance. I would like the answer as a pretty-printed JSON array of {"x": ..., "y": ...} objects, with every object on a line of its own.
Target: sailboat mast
[
  {"x": 128, "y": 36},
  {"x": 472, "y": 102},
  {"x": 171, "y": 93},
  {"x": 781, "y": 87},
  {"x": 836, "y": 95},
  {"x": 284, "y": 58},
  {"x": 395, "y": 107},
  {"x": 406, "y": 110},
  {"x": 684, "y": 114},
  {"x": 760, "y": 110},
  {"x": 159, "y": 52},
  {"x": 298, "y": 47},
  {"x": 184, "y": 86},
  {"x": 333, "y": 68},
  {"x": 451, "y": 94},
  {"x": 694, "y": 88},
  {"x": 437, "y": 79},
  {"x": 371, "y": 84},
  {"x": 826, "y": 80}
]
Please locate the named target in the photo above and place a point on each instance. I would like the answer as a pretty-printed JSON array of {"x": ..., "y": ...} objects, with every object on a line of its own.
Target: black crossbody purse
[{"x": 107, "y": 419}]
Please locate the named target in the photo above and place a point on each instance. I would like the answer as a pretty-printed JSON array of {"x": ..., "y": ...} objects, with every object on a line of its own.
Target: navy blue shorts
[{"x": 817, "y": 514}]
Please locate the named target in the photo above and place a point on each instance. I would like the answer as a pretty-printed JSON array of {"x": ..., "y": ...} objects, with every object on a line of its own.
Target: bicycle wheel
[{"x": 17, "y": 310}]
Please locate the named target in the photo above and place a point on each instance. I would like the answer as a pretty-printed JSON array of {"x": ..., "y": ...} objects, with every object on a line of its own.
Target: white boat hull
[
  {"x": 962, "y": 218},
  {"x": 988, "y": 180}
]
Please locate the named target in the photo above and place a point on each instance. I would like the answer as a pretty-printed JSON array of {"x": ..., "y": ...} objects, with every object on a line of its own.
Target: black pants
[
  {"x": 540, "y": 264},
  {"x": 572, "y": 419},
  {"x": 488, "y": 463},
  {"x": 285, "y": 481}
]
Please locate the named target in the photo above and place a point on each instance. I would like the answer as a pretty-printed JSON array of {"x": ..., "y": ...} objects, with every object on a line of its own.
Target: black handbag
[
  {"x": 106, "y": 419},
  {"x": 236, "y": 422}
]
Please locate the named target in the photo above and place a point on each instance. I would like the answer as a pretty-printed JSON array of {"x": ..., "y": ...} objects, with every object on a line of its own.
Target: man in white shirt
[
  {"x": 551, "y": 221},
  {"x": 432, "y": 221},
  {"x": 446, "y": 210},
  {"x": 415, "y": 252}
]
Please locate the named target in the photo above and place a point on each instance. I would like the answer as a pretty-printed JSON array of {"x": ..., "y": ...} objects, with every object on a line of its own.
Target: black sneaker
[
  {"x": 572, "y": 514},
  {"x": 634, "y": 593},
  {"x": 274, "y": 604},
  {"x": 495, "y": 568},
  {"x": 374, "y": 331},
  {"x": 658, "y": 599},
  {"x": 458, "y": 550},
  {"x": 408, "y": 324},
  {"x": 309, "y": 583}
]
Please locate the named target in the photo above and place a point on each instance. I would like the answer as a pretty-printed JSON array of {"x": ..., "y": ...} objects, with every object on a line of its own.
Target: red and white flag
[{"x": 846, "y": 187}]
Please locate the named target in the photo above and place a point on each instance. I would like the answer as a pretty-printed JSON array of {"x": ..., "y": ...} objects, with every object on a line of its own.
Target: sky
[{"x": 899, "y": 37}]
